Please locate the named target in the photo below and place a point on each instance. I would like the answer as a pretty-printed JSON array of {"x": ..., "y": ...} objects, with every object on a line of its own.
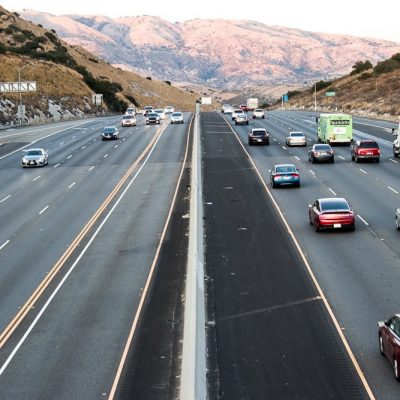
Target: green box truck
[{"x": 335, "y": 128}]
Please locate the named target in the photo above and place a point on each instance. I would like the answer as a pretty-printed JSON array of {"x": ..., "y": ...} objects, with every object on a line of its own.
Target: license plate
[
  {"x": 286, "y": 178},
  {"x": 337, "y": 225},
  {"x": 369, "y": 153},
  {"x": 259, "y": 140}
]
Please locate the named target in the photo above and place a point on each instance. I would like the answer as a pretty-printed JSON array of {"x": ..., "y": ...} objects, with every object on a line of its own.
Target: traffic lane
[
  {"x": 52, "y": 223},
  {"x": 346, "y": 263},
  {"x": 110, "y": 276},
  {"x": 259, "y": 287}
]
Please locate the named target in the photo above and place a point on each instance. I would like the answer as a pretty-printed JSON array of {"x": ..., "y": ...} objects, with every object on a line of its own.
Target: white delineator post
[{"x": 193, "y": 374}]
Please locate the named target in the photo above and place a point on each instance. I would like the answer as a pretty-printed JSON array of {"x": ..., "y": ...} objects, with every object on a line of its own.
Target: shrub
[
  {"x": 168, "y": 83},
  {"x": 395, "y": 57},
  {"x": 40, "y": 25},
  {"x": 386, "y": 66},
  {"x": 321, "y": 85},
  {"x": 132, "y": 100},
  {"x": 364, "y": 76},
  {"x": 148, "y": 78},
  {"x": 93, "y": 60},
  {"x": 292, "y": 93},
  {"x": 3, "y": 48},
  {"x": 53, "y": 38},
  {"x": 19, "y": 37},
  {"x": 361, "y": 66}
]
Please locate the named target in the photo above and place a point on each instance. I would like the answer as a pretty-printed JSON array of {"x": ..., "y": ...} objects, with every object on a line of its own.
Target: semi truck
[
  {"x": 335, "y": 128},
  {"x": 251, "y": 104}
]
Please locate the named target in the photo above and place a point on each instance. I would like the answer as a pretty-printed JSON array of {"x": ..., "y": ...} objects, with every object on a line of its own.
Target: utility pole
[
  {"x": 315, "y": 96},
  {"x": 20, "y": 93}
]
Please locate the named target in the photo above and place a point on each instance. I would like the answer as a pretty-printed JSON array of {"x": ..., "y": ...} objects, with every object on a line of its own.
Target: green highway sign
[{"x": 330, "y": 94}]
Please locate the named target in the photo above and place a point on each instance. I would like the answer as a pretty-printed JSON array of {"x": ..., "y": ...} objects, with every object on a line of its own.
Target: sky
[{"x": 359, "y": 18}]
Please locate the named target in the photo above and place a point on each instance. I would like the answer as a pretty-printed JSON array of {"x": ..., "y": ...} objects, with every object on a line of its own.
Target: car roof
[
  {"x": 366, "y": 141},
  {"x": 259, "y": 129},
  {"x": 284, "y": 165},
  {"x": 322, "y": 144},
  {"x": 296, "y": 132},
  {"x": 35, "y": 149},
  {"x": 110, "y": 126},
  {"x": 335, "y": 199}
]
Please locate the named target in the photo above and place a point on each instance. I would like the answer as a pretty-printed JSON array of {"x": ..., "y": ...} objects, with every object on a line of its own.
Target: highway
[
  {"x": 79, "y": 239},
  {"x": 357, "y": 271}
]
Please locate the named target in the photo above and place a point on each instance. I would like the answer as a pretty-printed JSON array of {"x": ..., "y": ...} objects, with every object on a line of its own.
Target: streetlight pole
[
  {"x": 315, "y": 96},
  {"x": 20, "y": 93}
]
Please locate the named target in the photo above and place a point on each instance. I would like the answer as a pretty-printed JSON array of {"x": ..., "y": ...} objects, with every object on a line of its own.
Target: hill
[
  {"x": 67, "y": 76},
  {"x": 228, "y": 54},
  {"x": 367, "y": 90}
]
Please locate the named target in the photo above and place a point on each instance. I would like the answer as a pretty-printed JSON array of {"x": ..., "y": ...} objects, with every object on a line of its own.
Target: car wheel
[
  {"x": 396, "y": 369},
  {"x": 381, "y": 345},
  {"x": 273, "y": 184},
  {"x": 352, "y": 157},
  {"x": 263, "y": 117},
  {"x": 316, "y": 226},
  {"x": 356, "y": 159},
  {"x": 377, "y": 160},
  {"x": 332, "y": 160},
  {"x": 297, "y": 185},
  {"x": 254, "y": 117},
  {"x": 312, "y": 160},
  {"x": 352, "y": 228},
  {"x": 249, "y": 143},
  {"x": 235, "y": 123},
  {"x": 397, "y": 224},
  {"x": 247, "y": 122},
  {"x": 267, "y": 143}
]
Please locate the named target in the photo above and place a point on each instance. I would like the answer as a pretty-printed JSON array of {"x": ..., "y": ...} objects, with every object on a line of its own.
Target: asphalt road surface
[
  {"x": 358, "y": 271},
  {"x": 92, "y": 219}
]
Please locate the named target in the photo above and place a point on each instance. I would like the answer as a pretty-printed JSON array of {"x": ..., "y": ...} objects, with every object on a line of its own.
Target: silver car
[
  {"x": 296, "y": 139},
  {"x": 35, "y": 158},
  {"x": 177, "y": 118},
  {"x": 397, "y": 219}
]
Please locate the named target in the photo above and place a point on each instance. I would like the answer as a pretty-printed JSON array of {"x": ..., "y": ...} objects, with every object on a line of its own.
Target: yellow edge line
[
  {"x": 29, "y": 304},
  {"x": 310, "y": 271},
  {"x": 149, "y": 278}
]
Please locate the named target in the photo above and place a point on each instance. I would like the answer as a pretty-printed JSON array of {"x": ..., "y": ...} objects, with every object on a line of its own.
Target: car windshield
[
  {"x": 322, "y": 147},
  {"x": 127, "y": 117},
  {"x": 260, "y": 132},
  {"x": 34, "y": 153},
  {"x": 285, "y": 169},
  {"x": 258, "y": 110},
  {"x": 369, "y": 145},
  {"x": 109, "y": 130},
  {"x": 159, "y": 111},
  {"x": 148, "y": 108},
  {"x": 177, "y": 114},
  {"x": 155, "y": 115},
  {"x": 238, "y": 111},
  {"x": 297, "y": 134},
  {"x": 334, "y": 205}
]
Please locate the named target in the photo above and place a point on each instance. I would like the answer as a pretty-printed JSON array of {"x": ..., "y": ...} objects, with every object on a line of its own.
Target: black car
[
  {"x": 152, "y": 118},
  {"x": 258, "y": 136},
  {"x": 110, "y": 133},
  {"x": 321, "y": 152}
]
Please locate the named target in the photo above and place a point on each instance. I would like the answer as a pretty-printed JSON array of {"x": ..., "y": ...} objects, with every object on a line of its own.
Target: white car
[
  {"x": 130, "y": 111},
  {"x": 160, "y": 113},
  {"x": 227, "y": 109},
  {"x": 397, "y": 219},
  {"x": 236, "y": 112},
  {"x": 169, "y": 110},
  {"x": 258, "y": 113},
  {"x": 35, "y": 158},
  {"x": 241, "y": 119},
  {"x": 296, "y": 139},
  {"x": 177, "y": 118},
  {"x": 128, "y": 120}
]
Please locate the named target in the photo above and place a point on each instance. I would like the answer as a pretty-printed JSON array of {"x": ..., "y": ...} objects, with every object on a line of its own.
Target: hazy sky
[{"x": 379, "y": 19}]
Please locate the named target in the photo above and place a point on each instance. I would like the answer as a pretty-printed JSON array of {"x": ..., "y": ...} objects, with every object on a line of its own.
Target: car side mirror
[{"x": 309, "y": 206}]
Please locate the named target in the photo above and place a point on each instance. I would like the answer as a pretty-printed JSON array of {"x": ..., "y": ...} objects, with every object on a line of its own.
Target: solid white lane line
[
  {"x": 341, "y": 157},
  {"x": 5, "y": 198},
  {"x": 363, "y": 220},
  {"x": 105, "y": 155},
  {"x": 38, "y": 177},
  {"x": 284, "y": 148},
  {"x": 311, "y": 171},
  {"x": 332, "y": 191},
  {"x": 393, "y": 190},
  {"x": 394, "y": 161},
  {"x": 57, "y": 165},
  {"x": 71, "y": 185},
  {"x": 297, "y": 158},
  {"x": 91, "y": 168},
  {"x": 274, "y": 139},
  {"x": 69, "y": 156},
  {"x": 4, "y": 244},
  {"x": 83, "y": 147},
  {"x": 364, "y": 172},
  {"x": 44, "y": 209}
]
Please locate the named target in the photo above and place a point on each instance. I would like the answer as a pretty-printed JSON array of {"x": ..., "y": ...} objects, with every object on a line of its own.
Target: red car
[
  {"x": 331, "y": 213},
  {"x": 389, "y": 342},
  {"x": 243, "y": 107},
  {"x": 365, "y": 150}
]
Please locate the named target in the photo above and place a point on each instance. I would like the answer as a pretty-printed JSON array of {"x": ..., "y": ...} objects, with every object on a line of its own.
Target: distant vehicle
[
  {"x": 130, "y": 111},
  {"x": 243, "y": 107},
  {"x": 331, "y": 213},
  {"x": 397, "y": 219},
  {"x": 251, "y": 104},
  {"x": 389, "y": 342},
  {"x": 177, "y": 118},
  {"x": 147, "y": 110},
  {"x": 241, "y": 119},
  {"x": 35, "y": 158},
  {"x": 169, "y": 109},
  {"x": 258, "y": 113},
  {"x": 296, "y": 139},
  {"x": 396, "y": 144},
  {"x": 236, "y": 112},
  {"x": 110, "y": 133},
  {"x": 227, "y": 109},
  {"x": 335, "y": 128},
  {"x": 365, "y": 150},
  {"x": 285, "y": 174},
  {"x": 258, "y": 136},
  {"x": 128, "y": 120},
  {"x": 160, "y": 112},
  {"x": 152, "y": 118},
  {"x": 321, "y": 152}
]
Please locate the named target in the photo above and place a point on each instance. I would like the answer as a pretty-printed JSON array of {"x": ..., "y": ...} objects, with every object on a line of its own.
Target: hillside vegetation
[
  {"x": 367, "y": 90},
  {"x": 69, "y": 75}
]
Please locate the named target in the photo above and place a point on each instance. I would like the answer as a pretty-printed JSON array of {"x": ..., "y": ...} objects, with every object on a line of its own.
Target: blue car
[{"x": 285, "y": 174}]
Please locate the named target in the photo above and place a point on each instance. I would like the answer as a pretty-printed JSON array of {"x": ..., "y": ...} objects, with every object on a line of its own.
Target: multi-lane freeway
[{"x": 93, "y": 254}]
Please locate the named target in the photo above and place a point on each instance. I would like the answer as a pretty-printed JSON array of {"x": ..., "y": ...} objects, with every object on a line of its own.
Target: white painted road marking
[
  {"x": 71, "y": 185},
  {"x": 312, "y": 171},
  {"x": 83, "y": 147},
  {"x": 56, "y": 165},
  {"x": 105, "y": 155},
  {"x": 44, "y": 209},
  {"x": 393, "y": 190},
  {"x": 283, "y": 147},
  {"x": 394, "y": 161},
  {"x": 332, "y": 191},
  {"x": 91, "y": 168},
  {"x": 363, "y": 220},
  {"x": 5, "y": 198},
  {"x": 69, "y": 156},
  {"x": 341, "y": 157},
  {"x": 297, "y": 158},
  {"x": 4, "y": 244},
  {"x": 38, "y": 177},
  {"x": 364, "y": 172}
]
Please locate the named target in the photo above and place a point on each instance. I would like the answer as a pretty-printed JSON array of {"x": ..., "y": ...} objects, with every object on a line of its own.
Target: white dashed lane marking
[
  {"x": 38, "y": 177},
  {"x": 393, "y": 190},
  {"x": 363, "y": 220},
  {"x": 4, "y": 244},
  {"x": 69, "y": 156},
  {"x": 341, "y": 157},
  {"x": 57, "y": 165},
  {"x": 71, "y": 185},
  {"x": 333, "y": 192},
  {"x": 364, "y": 172},
  {"x": 91, "y": 168},
  {"x": 43, "y": 210},
  {"x": 5, "y": 198}
]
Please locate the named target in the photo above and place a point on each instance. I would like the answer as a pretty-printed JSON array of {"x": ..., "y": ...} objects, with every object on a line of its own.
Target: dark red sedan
[
  {"x": 389, "y": 342},
  {"x": 331, "y": 213}
]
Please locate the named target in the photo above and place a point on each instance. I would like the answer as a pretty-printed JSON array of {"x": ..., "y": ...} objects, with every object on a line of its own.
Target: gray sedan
[{"x": 35, "y": 158}]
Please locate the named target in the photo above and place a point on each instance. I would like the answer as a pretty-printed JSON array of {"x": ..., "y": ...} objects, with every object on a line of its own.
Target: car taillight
[
  {"x": 379, "y": 151},
  {"x": 295, "y": 175}
]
